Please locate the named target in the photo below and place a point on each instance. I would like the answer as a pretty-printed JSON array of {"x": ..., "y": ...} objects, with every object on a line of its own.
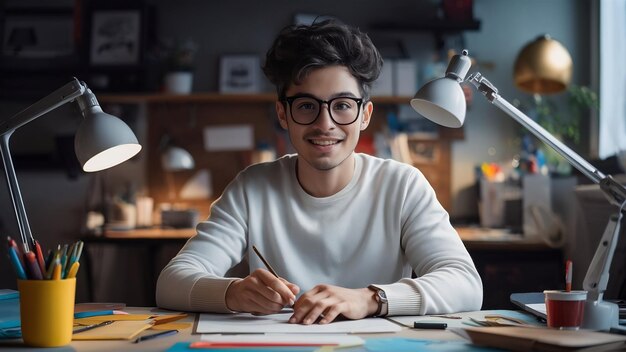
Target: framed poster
[
  {"x": 38, "y": 36},
  {"x": 115, "y": 37},
  {"x": 240, "y": 74}
]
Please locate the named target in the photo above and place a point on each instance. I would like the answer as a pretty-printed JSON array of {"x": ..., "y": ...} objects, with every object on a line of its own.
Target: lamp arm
[
  {"x": 65, "y": 94},
  {"x": 597, "y": 277},
  {"x": 14, "y": 191}
]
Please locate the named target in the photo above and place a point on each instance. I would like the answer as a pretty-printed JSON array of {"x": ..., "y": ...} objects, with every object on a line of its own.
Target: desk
[
  {"x": 161, "y": 344},
  {"x": 506, "y": 263}
]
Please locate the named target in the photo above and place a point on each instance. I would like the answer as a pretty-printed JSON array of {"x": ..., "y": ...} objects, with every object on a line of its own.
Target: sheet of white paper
[
  {"x": 277, "y": 324},
  {"x": 334, "y": 339}
]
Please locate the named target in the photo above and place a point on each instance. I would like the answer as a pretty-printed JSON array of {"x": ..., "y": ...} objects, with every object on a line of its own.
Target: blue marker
[{"x": 17, "y": 264}]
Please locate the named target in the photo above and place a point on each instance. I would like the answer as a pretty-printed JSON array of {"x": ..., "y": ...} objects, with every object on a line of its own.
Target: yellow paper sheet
[{"x": 118, "y": 330}]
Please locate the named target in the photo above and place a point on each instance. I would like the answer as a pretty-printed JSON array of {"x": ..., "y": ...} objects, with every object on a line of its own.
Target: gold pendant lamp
[{"x": 543, "y": 66}]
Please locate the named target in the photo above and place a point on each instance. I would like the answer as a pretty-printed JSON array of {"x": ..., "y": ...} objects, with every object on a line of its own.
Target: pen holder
[{"x": 47, "y": 311}]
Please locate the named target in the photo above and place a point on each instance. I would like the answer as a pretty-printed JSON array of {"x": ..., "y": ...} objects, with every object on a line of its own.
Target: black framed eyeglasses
[{"x": 305, "y": 109}]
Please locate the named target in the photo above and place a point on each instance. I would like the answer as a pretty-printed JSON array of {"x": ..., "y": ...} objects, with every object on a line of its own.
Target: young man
[{"x": 343, "y": 231}]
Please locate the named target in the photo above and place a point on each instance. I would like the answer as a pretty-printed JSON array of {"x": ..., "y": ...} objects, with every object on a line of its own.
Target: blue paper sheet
[
  {"x": 9, "y": 314},
  {"x": 404, "y": 344}
]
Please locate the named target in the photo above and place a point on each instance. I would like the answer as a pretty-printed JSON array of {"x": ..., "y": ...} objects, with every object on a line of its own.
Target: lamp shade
[
  {"x": 543, "y": 66},
  {"x": 103, "y": 141},
  {"x": 442, "y": 100},
  {"x": 176, "y": 159}
]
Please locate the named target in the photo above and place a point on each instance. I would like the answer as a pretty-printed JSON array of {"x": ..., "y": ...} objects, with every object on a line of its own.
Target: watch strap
[{"x": 380, "y": 299}]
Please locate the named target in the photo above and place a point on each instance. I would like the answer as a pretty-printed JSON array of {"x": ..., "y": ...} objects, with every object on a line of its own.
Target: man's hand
[
  {"x": 327, "y": 302},
  {"x": 260, "y": 293}
]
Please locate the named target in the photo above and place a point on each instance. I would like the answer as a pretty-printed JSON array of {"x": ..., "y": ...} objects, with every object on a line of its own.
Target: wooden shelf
[{"x": 212, "y": 97}]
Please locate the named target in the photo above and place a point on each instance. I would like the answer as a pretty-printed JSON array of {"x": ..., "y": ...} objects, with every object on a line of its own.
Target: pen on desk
[
  {"x": 158, "y": 334},
  {"x": 92, "y": 326},
  {"x": 568, "y": 275},
  {"x": 446, "y": 316},
  {"x": 267, "y": 265},
  {"x": 259, "y": 345},
  {"x": 439, "y": 326}
]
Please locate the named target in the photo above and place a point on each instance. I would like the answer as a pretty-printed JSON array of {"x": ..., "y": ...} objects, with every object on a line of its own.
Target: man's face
[{"x": 325, "y": 145}]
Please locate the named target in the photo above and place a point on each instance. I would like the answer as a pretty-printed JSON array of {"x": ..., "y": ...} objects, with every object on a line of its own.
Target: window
[{"x": 612, "y": 122}]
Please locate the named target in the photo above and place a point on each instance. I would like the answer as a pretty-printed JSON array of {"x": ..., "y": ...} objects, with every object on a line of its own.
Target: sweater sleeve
[
  {"x": 194, "y": 279},
  {"x": 447, "y": 280}
]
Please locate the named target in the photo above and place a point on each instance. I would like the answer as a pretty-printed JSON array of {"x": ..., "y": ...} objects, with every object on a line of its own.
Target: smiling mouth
[{"x": 323, "y": 142}]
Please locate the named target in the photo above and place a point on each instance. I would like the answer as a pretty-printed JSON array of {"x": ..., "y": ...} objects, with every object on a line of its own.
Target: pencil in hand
[{"x": 267, "y": 265}]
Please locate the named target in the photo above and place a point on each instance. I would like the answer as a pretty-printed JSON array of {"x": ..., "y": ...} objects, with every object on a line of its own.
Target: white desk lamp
[
  {"x": 443, "y": 102},
  {"x": 102, "y": 141}
]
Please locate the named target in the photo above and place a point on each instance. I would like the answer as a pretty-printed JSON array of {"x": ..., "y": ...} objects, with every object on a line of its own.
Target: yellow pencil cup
[{"x": 47, "y": 311}]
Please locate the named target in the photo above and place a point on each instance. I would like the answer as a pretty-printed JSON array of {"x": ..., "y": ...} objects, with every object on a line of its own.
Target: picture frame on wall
[
  {"x": 116, "y": 36},
  {"x": 240, "y": 74},
  {"x": 38, "y": 36}
]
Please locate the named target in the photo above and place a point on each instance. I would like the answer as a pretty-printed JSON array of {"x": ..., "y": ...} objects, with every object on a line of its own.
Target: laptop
[{"x": 531, "y": 302}]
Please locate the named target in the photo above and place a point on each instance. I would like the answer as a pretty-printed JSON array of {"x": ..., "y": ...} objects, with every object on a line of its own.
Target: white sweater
[{"x": 385, "y": 223}]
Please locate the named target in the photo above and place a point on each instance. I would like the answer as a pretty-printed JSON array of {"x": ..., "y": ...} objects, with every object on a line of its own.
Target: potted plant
[
  {"x": 563, "y": 118},
  {"x": 179, "y": 60}
]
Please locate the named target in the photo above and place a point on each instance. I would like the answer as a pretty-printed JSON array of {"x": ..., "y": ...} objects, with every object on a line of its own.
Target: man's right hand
[{"x": 260, "y": 293}]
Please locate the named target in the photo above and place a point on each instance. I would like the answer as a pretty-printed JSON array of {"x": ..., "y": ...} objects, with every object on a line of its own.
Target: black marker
[{"x": 438, "y": 326}]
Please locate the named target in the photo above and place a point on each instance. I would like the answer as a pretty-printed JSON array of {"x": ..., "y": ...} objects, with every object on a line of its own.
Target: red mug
[{"x": 565, "y": 309}]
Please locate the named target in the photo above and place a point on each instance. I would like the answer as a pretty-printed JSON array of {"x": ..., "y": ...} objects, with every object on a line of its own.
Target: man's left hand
[{"x": 326, "y": 302}]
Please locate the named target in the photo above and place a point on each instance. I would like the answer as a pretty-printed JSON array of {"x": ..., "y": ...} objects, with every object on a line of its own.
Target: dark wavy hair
[{"x": 299, "y": 49}]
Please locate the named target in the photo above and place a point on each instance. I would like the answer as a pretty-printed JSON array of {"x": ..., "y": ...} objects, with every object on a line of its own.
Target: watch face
[{"x": 382, "y": 295}]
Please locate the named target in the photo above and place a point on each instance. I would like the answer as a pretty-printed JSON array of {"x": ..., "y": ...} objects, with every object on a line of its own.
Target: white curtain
[{"x": 612, "y": 129}]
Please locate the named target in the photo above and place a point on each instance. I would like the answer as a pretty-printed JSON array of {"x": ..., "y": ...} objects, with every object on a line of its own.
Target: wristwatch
[{"x": 381, "y": 298}]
